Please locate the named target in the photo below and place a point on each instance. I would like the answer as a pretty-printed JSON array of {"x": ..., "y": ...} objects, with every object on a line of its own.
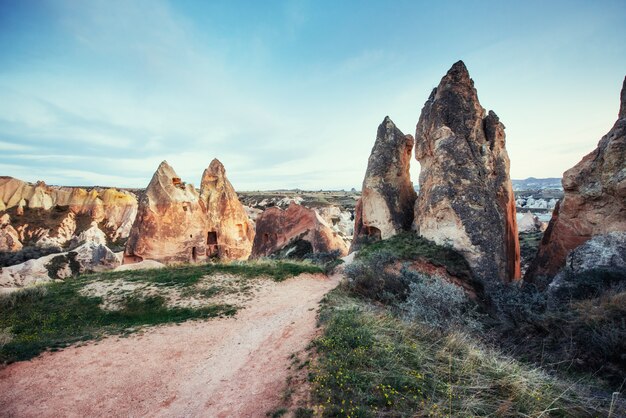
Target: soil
[{"x": 230, "y": 367}]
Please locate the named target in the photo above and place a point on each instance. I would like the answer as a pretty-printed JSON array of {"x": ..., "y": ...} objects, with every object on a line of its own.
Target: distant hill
[{"x": 532, "y": 183}]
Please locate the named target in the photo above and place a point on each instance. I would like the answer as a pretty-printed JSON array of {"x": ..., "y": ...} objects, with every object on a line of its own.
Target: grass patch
[
  {"x": 410, "y": 246},
  {"x": 373, "y": 364},
  {"x": 56, "y": 315}
]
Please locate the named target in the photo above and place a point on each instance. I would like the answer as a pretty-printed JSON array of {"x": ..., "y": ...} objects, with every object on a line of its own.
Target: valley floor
[{"x": 220, "y": 368}]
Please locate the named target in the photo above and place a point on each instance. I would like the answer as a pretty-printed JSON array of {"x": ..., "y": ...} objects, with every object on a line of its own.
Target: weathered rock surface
[
  {"x": 387, "y": 196},
  {"x": 171, "y": 223},
  {"x": 592, "y": 265},
  {"x": 229, "y": 231},
  {"x": 89, "y": 257},
  {"x": 294, "y": 232},
  {"x": 142, "y": 265},
  {"x": 9, "y": 238},
  {"x": 529, "y": 223},
  {"x": 466, "y": 199},
  {"x": 48, "y": 216},
  {"x": 594, "y": 201}
]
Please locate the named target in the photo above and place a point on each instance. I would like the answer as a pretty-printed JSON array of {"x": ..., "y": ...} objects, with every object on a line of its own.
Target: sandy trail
[{"x": 232, "y": 367}]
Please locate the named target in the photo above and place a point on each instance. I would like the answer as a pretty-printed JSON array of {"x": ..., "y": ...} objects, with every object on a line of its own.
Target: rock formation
[
  {"x": 229, "y": 231},
  {"x": 294, "y": 232},
  {"x": 387, "y": 197},
  {"x": 594, "y": 201},
  {"x": 529, "y": 223},
  {"x": 89, "y": 257},
  {"x": 9, "y": 238},
  {"x": 599, "y": 262},
  {"x": 171, "y": 223},
  {"x": 466, "y": 199},
  {"x": 50, "y": 216}
]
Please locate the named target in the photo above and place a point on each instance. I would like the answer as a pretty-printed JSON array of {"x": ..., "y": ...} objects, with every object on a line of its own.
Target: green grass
[
  {"x": 56, "y": 315},
  {"x": 371, "y": 363},
  {"x": 410, "y": 246}
]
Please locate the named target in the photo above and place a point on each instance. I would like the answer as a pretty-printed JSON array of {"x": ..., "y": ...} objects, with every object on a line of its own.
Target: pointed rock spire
[
  {"x": 230, "y": 232},
  {"x": 466, "y": 198},
  {"x": 387, "y": 196}
]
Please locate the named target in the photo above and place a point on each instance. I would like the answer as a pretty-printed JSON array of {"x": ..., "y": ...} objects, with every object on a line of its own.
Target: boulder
[
  {"x": 599, "y": 262},
  {"x": 230, "y": 232},
  {"x": 387, "y": 196},
  {"x": 93, "y": 234},
  {"x": 529, "y": 223},
  {"x": 594, "y": 201},
  {"x": 171, "y": 223},
  {"x": 142, "y": 265},
  {"x": 466, "y": 198},
  {"x": 294, "y": 232},
  {"x": 87, "y": 258}
]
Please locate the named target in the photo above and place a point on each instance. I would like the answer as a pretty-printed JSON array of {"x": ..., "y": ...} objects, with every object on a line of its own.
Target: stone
[
  {"x": 230, "y": 233},
  {"x": 529, "y": 223},
  {"x": 171, "y": 223},
  {"x": 387, "y": 196},
  {"x": 466, "y": 198},
  {"x": 9, "y": 237},
  {"x": 293, "y": 233},
  {"x": 87, "y": 258},
  {"x": 93, "y": 234},
  {"x": 594, "y": 201},
  {"x": 598, "y": 262},
  {"x": 142, "y": 265}
]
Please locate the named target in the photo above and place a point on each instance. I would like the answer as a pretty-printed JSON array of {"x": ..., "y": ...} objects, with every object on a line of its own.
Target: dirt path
[{"x": 233, "y": 367}]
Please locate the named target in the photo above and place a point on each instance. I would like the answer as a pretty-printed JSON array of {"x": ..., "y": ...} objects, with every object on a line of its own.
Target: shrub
[
  {"x": 438, "y": 304},
  {"x": 327, "y": 260},
  {"x": 371, "y": 278}
]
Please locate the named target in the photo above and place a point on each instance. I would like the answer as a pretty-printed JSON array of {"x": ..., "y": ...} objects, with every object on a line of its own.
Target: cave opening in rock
[
  {"x": 211, "y": 240},
  {"x": 373, "y": 232},
  {"x": 194, "y": 254}
]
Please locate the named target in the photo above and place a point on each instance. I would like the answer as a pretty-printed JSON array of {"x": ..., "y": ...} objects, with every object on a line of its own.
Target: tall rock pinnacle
[
  {"x": 466, "y": 198},
  {"x": 230, "y": 233},
  {"x": 387, "y": 197},
  {"x": 170, "y": 224},
  {"x": 594, "y": 202}
]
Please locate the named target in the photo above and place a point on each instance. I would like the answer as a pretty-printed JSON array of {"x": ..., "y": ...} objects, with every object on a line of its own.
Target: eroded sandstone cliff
[
  {"x": 295, "y": 231},
  {"x": 594, "y": 202},
  {"x": 171, "y": 223}
]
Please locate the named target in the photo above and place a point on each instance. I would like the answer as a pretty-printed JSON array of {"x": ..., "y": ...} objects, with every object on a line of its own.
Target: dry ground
[{"x": 231, "y": 367}]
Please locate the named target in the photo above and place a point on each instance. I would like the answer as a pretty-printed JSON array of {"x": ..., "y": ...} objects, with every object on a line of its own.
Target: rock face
[
  {"x": 594, "y": 202},
  {"x": 387, "y": 197},
  {"x": 466, "y": 199},
  {"x": 9, "y": 238},
  {"x": 171, "y": 223},
  {"x": 49, "y": 216},
  {"x": 294, "y": 232},
  {"x": 230, "y": 233},
  {"x": 89, "y": 257},
  {"x": 594, "y": 264}
]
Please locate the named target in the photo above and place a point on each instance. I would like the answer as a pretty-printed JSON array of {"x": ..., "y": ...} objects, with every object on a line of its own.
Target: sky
[{"x": 289, "y": 94}]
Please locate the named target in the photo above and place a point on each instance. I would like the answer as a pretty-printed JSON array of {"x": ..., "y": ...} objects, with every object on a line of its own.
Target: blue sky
[{"x": 290, "y": 93}]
